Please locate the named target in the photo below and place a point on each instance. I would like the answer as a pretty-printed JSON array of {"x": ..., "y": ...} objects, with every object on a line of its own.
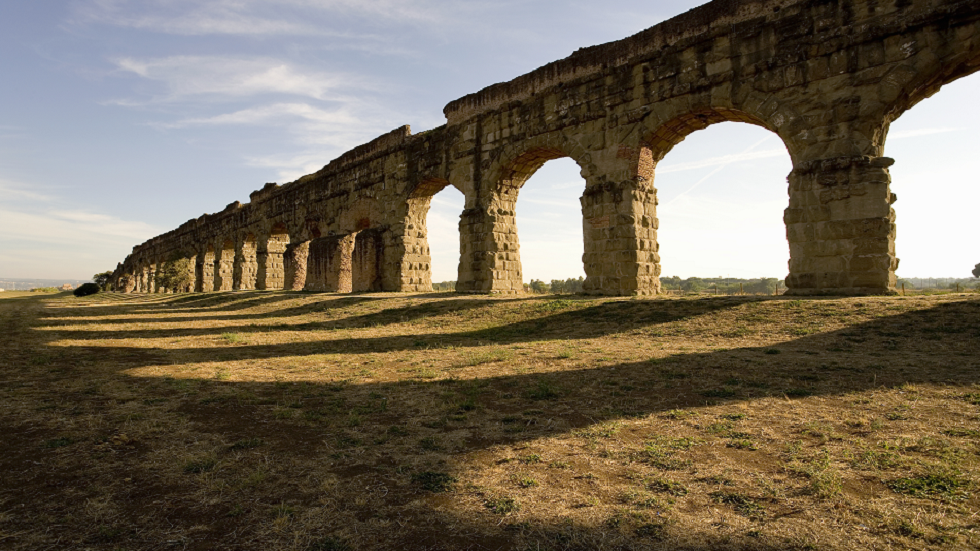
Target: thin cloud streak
[
  {"x": 276, "y": 114},
  {"x": 13, "y": 191},
  {"x": 729, "y": 159},
  {"x": 266, "y": 17},
  {"x": 724, "y": 160},
  {"x": 225, "y": 77}
]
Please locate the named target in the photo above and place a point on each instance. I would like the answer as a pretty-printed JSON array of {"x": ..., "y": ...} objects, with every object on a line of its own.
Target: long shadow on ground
[{"x": 521, "y": 407}]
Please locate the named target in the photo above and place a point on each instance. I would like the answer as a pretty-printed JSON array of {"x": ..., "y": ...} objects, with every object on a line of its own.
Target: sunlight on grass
[{"x": 303, "y": 419}]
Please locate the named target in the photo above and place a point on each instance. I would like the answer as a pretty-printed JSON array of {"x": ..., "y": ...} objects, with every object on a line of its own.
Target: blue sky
[{"x": 120, "y": 120}]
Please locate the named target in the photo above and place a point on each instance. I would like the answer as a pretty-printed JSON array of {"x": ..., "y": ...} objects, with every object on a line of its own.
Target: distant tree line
[
  {"x": 556, "y": 287},
  {"x": 939, "y": 282},
  {"x": 723, "y": 285},
  {"x": 444, "y": 286}
]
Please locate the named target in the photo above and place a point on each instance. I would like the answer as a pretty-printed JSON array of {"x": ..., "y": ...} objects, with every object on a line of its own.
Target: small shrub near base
[{"x": 87, "y": 289}]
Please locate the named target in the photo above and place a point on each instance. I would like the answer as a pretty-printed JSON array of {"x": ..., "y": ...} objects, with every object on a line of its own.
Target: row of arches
[
  {"x": 343, "y": 263},
  {"x": 361, "y": 259}
]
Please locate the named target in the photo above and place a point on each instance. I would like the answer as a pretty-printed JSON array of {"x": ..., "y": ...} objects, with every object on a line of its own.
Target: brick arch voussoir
[
  {"x": 919, "y": 78},
  {"x": 428, "y": 187},
  {"x": 517, "y": 162},
  {"x": 664, "y": 128}
]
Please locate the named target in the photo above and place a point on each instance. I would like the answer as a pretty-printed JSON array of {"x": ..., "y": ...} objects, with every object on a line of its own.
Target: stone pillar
[
  {"x": 620, "y": 229},
  {"x": 295, "y": 266},
  {"x": 329, "y": 264},
  {"x": 224, "y": 269},
  {"x": 271, "y": 270},
  {"x": 841, "y": 227},
  {"x": 194, "y": 274},
  {"x": 367, "y": 261},
  {"x": 409, "y": 250},
  {"x": 246, "y": 265},
  {"x": 127, "y": 284},
  {"x": 152, "y": 286},
  {"x": 490, "y": 260},
  {"x": 261, "y": 270},
  {"x": 207, "y": 271}
]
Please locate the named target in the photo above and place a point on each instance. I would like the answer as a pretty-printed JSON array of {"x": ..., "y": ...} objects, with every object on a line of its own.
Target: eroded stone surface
[{"x": 827, "y": 77}]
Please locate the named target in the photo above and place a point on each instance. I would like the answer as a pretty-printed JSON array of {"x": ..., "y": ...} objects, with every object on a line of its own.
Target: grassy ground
[{"x": 295, "y": 421}]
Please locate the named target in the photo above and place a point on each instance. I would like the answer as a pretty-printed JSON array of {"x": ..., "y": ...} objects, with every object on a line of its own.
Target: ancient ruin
[{"x": 827, "y": 76}]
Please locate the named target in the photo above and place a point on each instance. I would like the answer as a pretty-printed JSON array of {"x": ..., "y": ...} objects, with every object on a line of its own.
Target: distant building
[
  {"x": 1, "y": 290},
  {"x": 67, "y": 287}
]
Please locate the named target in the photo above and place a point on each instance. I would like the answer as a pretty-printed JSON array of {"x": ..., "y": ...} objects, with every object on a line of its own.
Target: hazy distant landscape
[{"x": 12, "y": 284}]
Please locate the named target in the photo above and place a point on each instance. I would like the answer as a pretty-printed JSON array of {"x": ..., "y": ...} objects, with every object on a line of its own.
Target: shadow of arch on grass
[{"x": 522, "y": 408}]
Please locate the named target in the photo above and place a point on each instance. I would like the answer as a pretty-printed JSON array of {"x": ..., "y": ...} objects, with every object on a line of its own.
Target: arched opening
[
  {"x": 935, "y": 182},
  {"x": 721, "y": 195},
  {"x": 499, "y": 263},
  {"x": 271, "y": 265},
  {"x": 432, "y": 248},
  {"x": 224, "y": 266},
  {"x": 549, "y": 218},
  {"x": 246, "y": 264}
]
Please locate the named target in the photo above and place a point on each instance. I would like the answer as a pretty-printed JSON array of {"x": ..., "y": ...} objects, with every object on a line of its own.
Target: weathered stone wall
[{"x": 826, "y": 76}]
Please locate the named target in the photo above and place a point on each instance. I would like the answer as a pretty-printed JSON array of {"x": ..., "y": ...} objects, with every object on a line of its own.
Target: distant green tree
[
  {"x": 693, "y": 284},
  {"x": 538, "y": 286},
  {"x": 86, "y": 289},
  {"x": 976, "y": 271},
  {"x": 176, "y": 275},
  {"x": 102, "y": 280},
  {"x": 557, "y": 286}
]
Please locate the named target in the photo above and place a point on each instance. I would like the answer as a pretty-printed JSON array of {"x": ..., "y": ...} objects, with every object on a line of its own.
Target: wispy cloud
[
  {"x": 723, "y": 160},
  {"x": 720, "y": 163},
  {"x": 189, "y": 77},
  {"x": 335, "y": 111},
  {"x": 14, "y": 191},
  {"x": 279, "y": 113},
  {"x": 42, "y": 236},
  {"x": 263, "y": 17},
  {"x": 919, "y": 132}
]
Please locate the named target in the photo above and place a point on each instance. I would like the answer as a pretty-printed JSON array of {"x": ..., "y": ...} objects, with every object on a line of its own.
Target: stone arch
[
  {"x": 663, "y": 131},
  {"x": 271, "y": 267},
  {"x": 516, "y": 163},
  {"x": 224, "y": 265},
  {"x": 661, "y": 135},
  {"x": 490, "y": 246},
  {"x": 919, "y": 78},
  {"x": 416, "y": 262}
]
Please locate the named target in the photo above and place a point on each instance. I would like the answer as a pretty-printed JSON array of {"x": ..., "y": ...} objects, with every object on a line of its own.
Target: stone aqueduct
[{"x": 827, "y": 76}]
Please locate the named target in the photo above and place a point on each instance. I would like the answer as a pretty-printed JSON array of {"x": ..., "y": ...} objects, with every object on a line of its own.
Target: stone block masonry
[{"x": 827, "y": 77}]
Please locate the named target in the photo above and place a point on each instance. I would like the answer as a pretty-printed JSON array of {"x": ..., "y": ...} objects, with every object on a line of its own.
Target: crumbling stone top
[{"x": 594, "y": 59}]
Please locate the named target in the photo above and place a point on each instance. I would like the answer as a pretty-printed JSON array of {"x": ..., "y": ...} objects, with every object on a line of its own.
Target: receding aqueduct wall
[{"x": 827, "y": 76}]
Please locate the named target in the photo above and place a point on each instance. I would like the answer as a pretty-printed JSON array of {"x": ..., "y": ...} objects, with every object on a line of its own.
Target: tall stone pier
[{"x": 827, "y": 77}]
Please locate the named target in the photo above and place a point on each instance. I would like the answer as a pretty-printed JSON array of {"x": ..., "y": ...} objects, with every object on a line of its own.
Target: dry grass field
[{"x": 297, "y": 421}]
